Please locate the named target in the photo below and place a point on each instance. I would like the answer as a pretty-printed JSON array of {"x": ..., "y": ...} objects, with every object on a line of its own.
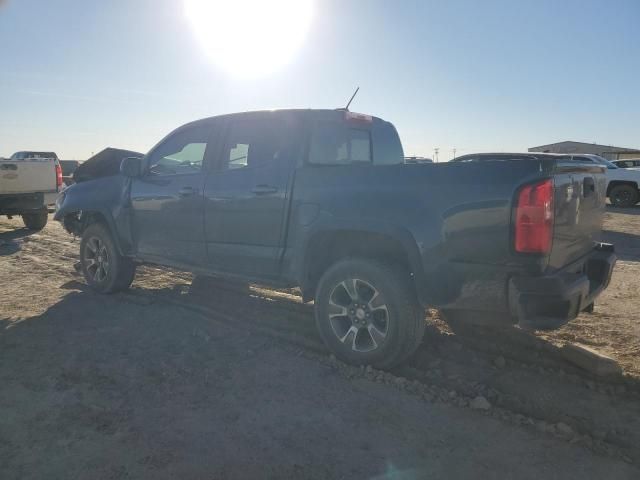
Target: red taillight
[
  {"x": 534, "y": 218},
  {"x": 58, "y": 176}
]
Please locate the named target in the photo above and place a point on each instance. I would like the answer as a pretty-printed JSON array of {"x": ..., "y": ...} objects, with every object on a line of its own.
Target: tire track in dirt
[{"x": 543, "y": 397}]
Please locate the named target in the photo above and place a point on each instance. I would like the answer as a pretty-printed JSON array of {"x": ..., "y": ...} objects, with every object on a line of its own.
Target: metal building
[{"x": 607, "y": 151}]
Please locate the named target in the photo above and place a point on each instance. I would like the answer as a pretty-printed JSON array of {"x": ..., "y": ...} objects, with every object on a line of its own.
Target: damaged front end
[
  {"x": 74, "y": 223},
  {"x": 104, "y": 200}
]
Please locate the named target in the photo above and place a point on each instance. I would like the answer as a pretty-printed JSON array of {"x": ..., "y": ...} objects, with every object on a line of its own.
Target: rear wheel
[
  {"x": 623, "y": 196},
  {"x": 367, "y": 313},
  {"x": 36, "y": 220},
  {"x": 104, "y": 269}
]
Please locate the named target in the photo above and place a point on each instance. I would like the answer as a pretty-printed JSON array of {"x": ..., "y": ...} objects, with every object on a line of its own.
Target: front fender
[{"x": 106, "y": 198}]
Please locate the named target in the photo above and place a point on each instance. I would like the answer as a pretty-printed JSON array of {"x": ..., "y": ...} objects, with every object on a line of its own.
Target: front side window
[
  {"x": 333, "y": 144},
  {"x": 181, "y": 153}
]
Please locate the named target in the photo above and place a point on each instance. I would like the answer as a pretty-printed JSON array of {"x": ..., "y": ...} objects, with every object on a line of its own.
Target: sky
[{"x": 77, "y": 76}]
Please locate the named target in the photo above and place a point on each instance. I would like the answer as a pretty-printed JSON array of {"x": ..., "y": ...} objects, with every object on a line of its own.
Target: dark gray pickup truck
[{"x": 322, "y": 200}]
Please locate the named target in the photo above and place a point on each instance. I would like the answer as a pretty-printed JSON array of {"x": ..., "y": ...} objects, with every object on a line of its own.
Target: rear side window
[
  {"x": 256, "y": 143},
  {"x": 335, "y": 144},
  {"x": 387, "y": 148}
]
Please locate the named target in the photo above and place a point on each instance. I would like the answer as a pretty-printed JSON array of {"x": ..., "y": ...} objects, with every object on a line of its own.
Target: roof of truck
[{"x": 299, "y": 111}]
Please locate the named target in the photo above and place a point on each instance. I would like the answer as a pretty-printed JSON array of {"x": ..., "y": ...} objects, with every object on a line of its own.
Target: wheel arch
[
  {"x": 325, "y": 248},
  {"x": 76, "y": 222},
  {"x": 616, "y": 183}
]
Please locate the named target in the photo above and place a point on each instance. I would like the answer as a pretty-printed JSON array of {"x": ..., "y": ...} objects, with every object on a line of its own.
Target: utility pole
[
  {"x": 454, "y": 153},
  {"x": 435, "y": 151}
]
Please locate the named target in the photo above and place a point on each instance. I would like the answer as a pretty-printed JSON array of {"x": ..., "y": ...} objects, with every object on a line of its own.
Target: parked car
[
  {"x": 417, "y": 160},
  {"x": 627, "y": 163},
  {"x": 622, "y": 184},
  {"x": 322, "y": 200},
  {"x": 29, "y": 183}
]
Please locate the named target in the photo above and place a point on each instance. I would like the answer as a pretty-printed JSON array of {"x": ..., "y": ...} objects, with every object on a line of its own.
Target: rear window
[
  {"x": 335, "y": 144},
  {"x": 342, "y": 143}
]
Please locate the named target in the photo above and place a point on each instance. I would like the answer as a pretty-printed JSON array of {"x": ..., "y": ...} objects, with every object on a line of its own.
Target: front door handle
[
  {"x": 264, "y": 189},
  {"x": 186, "y": 191}
]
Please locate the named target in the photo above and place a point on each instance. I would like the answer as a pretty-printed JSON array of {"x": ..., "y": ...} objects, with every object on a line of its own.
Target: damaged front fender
[{"x": 105, "y": 200}]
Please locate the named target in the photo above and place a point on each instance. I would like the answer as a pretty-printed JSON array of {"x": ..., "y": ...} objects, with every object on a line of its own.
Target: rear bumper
[
  {"x": 16, "y": 204},
  {"x": 550, "y": 301}
]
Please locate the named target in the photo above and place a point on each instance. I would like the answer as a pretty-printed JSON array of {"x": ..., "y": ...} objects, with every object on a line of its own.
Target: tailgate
[
  {"x": 27, "y": 176},
  {"x": 579, "y": 203}
]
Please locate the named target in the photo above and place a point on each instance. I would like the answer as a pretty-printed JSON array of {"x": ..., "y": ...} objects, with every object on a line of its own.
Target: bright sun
[{"x": 250, "y": 38}]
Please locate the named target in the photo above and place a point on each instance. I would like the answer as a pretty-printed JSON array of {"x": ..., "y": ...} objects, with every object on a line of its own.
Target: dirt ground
[{"x": 224, "y": 380}]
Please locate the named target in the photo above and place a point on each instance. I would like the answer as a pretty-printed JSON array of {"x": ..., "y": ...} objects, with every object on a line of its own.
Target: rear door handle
[
  {"x": 264, "y": 189},
  {"x": 186, "y": 191}
]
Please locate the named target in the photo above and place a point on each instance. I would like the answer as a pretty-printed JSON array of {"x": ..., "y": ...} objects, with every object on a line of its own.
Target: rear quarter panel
[{"x": 451, "y": 218}]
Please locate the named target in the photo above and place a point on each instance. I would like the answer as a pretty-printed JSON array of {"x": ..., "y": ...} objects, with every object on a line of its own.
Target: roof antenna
[{"x": 351, "y": 99}]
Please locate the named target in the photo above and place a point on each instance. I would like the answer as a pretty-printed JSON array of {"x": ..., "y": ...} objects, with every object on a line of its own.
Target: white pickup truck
[
  {"x": 623, "y": 184},
  {"x": 29, "y": 183}
]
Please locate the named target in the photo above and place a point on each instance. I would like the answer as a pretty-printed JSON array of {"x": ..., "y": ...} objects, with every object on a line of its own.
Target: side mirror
[{"x": 131, "y": 167}]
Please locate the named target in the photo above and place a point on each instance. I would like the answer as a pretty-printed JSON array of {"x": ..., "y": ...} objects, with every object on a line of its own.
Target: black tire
[
  {"x": 36, "y": 220},
  {"x": 623, "y": 196},
  {"x": 104, "y": 269},
  {"x": 402, "y": 320}
]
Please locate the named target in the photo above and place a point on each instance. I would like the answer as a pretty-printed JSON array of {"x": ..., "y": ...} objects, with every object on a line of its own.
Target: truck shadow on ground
[
  {"x": 137, "y": 385},
  {"x": 627, "y": 245},
  {"x": 169, "y": 341},
  {"x": 283, "y": 318},
  {"x": 11, "y": 241},
  {"x": 635, "y": 210}
]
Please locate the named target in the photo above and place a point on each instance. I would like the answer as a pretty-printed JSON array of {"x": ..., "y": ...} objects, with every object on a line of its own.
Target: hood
[{"x": 103, "y": 164}]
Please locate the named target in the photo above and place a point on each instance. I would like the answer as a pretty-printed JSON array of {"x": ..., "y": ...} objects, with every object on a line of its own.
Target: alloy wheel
[
  {"x": 358, "y": 315},
  {"x": 97, "y": 259}
]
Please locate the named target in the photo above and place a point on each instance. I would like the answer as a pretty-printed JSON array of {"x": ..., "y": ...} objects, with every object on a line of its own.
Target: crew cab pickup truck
[
  {"x": 29, "y": 182},
  {"x": 322, "y": 200}
]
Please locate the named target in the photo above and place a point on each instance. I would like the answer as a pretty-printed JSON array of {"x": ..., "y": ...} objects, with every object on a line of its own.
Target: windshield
[{"x": 604, "y": 161}]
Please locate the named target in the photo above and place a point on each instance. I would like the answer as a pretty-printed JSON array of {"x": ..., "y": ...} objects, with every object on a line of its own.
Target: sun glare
[{"x": 250, "y": 38}]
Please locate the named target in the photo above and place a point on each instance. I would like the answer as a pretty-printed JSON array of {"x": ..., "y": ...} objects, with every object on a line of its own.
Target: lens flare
[{"x": 250, "y": 38}]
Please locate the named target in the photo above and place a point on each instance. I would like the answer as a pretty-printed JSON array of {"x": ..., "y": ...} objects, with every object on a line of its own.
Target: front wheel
[
  {"x": 623, "y": 196},
  {"x": 104, "y": 269},
  {"x": 36, "y": 220},
  {"x": 367, "y": 313}
]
